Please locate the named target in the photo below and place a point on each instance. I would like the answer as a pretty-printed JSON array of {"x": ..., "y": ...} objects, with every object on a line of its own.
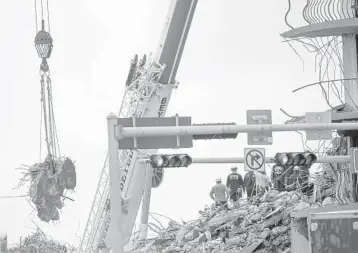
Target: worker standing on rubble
[
  {"x": 250, "y": 184},
  {"x": 235, "y": 183},
  {"x": 220, "y": 194},
  {"x": 263, "y": 183},
  {"x": 278, "y": 178}
]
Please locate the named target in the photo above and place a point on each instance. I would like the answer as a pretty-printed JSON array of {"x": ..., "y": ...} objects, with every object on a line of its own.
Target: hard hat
[
  {"x": 218, "y": 180},
  {"x": 233, "y": 168}
]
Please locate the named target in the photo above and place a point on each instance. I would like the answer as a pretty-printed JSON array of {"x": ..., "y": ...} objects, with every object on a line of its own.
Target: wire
[
  {"x": 323, "y": 81},
  {"x": 288, "y": 11}
]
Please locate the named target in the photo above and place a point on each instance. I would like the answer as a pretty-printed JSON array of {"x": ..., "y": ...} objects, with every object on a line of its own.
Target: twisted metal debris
[
  {"x": 38, "y": 242},
  {"x": 48, "y": 182},
  {"x": 258, "y": 225}
]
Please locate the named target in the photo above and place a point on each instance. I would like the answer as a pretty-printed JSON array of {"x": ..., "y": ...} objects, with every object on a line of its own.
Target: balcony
[{"x": 327, "y": 18}]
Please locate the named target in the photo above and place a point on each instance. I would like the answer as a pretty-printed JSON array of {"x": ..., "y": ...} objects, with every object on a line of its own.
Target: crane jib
[
  {"x": 125, "y": 171},
  {"x": 163, "y": 104},
  {"x": 132, "y": 179}
]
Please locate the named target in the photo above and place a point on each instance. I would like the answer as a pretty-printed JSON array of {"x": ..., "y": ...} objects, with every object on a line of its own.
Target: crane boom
[{"x": 147, "y": 96}]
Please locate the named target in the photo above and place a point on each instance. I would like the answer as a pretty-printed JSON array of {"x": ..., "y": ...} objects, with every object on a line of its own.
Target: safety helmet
[
  {"x": 218, "y": 180},
  {"x": 234, "y": 168},
  {"x": 277, "y": 170}
]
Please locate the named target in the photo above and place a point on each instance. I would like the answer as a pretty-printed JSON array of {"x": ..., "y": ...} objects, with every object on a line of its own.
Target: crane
[{"x": 148, "y": 90}]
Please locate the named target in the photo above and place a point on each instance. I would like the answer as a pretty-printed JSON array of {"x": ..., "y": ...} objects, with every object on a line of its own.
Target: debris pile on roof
[
  {"x": 258, "y": 225},
  {"x": 48, "y": 181},
  {"x": 38, "y": 242}
]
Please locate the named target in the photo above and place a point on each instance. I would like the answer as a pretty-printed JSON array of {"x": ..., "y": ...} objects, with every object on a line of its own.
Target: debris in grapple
[
  {"x": 48, "y": 183},
  {"x": 50, "y": 178}
]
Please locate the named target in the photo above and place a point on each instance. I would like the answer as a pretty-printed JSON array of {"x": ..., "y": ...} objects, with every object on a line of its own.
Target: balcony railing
[{"x": 319, "y": 11}]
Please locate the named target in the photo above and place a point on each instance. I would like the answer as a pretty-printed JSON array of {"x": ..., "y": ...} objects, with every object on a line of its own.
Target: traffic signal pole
[
  {"x": 143, "y": 232},
  {"x": 123, "y": 132},
  {"x": 115, "y": 238},
  {"x": 320, "y": 159}
]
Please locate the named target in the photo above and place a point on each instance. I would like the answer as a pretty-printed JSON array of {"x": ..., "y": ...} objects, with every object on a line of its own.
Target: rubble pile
[
  {"x": 38, "y": 242},
  {"x": 48, "y": 183},
  {"x": 259, "y": 225}
]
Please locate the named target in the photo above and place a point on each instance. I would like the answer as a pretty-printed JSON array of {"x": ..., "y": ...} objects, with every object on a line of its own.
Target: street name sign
[
  {"x": 255, "y": 117},
  {"x": 318, "y": 117}
]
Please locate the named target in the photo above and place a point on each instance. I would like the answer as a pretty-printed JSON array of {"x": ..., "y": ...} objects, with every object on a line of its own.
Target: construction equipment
[
  {"x": 148, "y": 90},
  {"x": 49, "y": 179}
]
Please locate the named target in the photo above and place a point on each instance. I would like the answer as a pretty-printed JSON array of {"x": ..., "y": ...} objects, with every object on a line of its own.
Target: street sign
[
  {"x": 254, "y": 159},
  {"x": 255, "y": 117},
  {"x": 318, "y": 117},
  {"x": 354, "y": 159},
  {"x": 155, "y": 142}
]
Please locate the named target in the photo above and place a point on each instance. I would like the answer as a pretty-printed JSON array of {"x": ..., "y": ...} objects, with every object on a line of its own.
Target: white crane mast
[{"x": 147, "y": 95}]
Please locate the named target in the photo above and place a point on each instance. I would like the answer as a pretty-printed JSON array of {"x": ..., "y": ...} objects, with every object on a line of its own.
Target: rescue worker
[
  {"x": 299, "y": 180},
  {"x": 250, "y": 184},
  {"x": 263, "y": 183},
  {"x": 277, "y": 178},
  {"x": 220, "y": 194},
  {"x": 235, "y": 183}
]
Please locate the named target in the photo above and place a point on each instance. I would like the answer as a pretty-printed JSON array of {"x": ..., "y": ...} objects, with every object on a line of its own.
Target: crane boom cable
[
  {"x": 48, "y": 18},
  {"x": 41, "y": 119},
  {"x": 44, "y": 109},
  {"x": 36, "y": 24},
  {"x": 42, "y": 11},
  {"x": 47, "y": 111},
  {"x": 56, "y": 140},
  {"x": 50, "y": 116}
]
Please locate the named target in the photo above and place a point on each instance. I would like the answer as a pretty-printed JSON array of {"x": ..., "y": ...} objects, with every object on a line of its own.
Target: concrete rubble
[
  {"x": 38, "y": 242},
  {"x": 259, "y": 225}
]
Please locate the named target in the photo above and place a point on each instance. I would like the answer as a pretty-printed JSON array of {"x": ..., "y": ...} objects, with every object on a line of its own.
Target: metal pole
[
  {"x": 123, "y": 132},
  {"x": 146, "y": 203},
  {"x": 115, "y": 230},
  {"x": 350, "y": 67},
  {"x": 320, "y": 159}
]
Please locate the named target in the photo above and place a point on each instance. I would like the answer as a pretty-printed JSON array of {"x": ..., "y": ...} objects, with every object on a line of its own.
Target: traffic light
[
  {"x": 304, "y": 158},
  {"x": 170, "y": 161}
]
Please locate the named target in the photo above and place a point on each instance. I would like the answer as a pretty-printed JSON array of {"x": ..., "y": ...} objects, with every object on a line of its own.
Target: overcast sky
[{"x": 234, "y": 60}]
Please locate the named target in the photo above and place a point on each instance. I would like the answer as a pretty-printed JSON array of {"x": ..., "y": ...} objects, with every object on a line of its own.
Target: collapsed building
[{"x": 261, "y": 224}]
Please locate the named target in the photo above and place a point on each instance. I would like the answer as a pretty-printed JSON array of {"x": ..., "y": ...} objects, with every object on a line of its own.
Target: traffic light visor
[
  {"x": 174, "y": 161},
  {"x": 298, "y": 159},
  {"x": 185, "y": 160},
  {"x": 282, "y": 159},
  {"x": 310, "y": 158},
  {"x": 158, "y": 161}
]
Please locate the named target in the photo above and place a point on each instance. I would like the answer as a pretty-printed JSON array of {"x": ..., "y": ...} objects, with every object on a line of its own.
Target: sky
[{"x": 234, "y": 60}]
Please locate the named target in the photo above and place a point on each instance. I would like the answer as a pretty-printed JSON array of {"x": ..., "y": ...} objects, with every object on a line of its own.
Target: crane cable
[{"x": 43, "y": 44}]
